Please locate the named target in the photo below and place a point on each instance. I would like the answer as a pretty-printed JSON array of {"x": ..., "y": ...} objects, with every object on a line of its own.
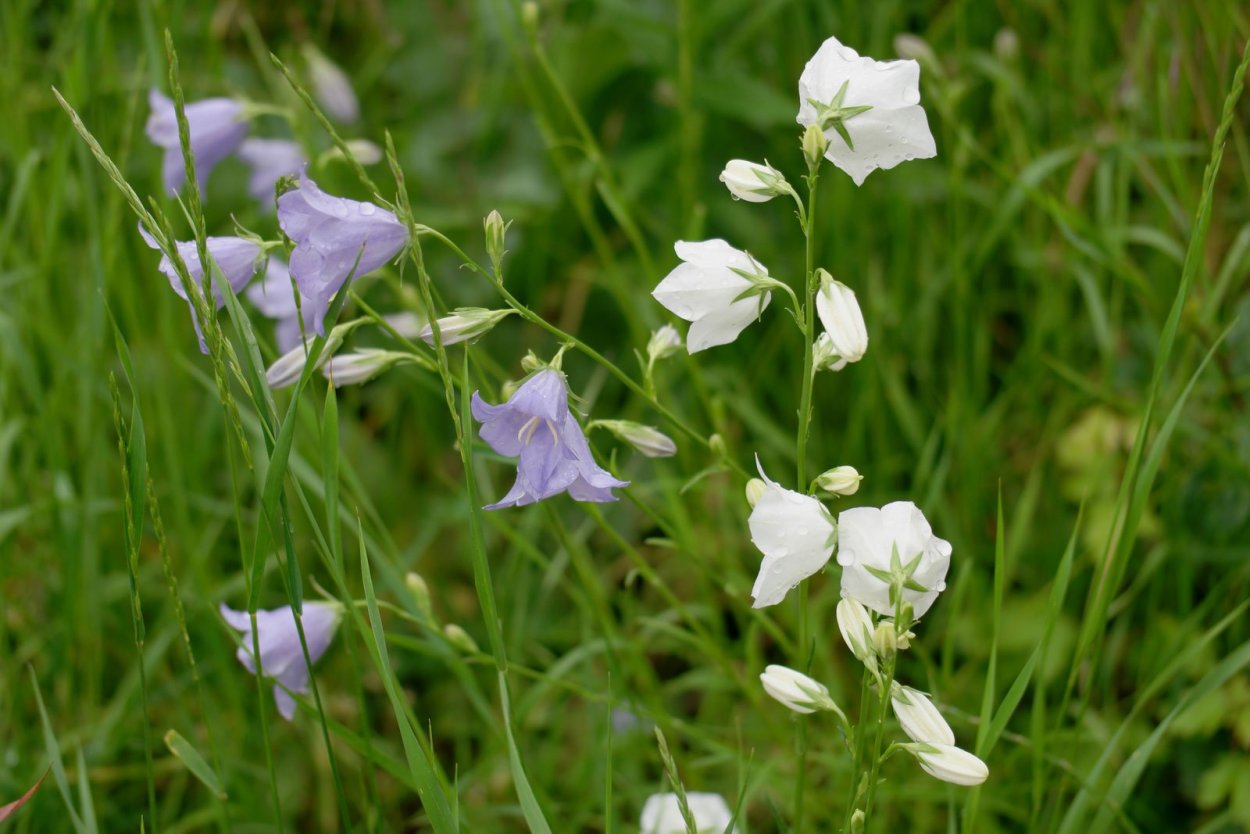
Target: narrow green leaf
[{"x": 186, "y": 753}]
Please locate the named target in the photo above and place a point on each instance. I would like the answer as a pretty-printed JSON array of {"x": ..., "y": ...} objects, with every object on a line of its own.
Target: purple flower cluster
[{"x": 537, "y": 428}]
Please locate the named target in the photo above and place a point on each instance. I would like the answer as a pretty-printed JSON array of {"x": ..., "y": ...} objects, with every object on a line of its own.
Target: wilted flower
[
  {"x": 463, "y": 324},
  {"x": 536, "y": 426},
  {"x": 661, "y": 813},
  {"x": 274, "y": 296},
  {"x": 855, "y": 624},
  {"x": 753, "y": 182},
  {"x": 796, "y": 535},
  {"x": 705, "y": 289},
  {"x": 949, "y": 763},
  {"x": 216, "y": 126},
  {"x": 331, "y": 86},
  {"x": 869, "y": 538},
  {"x": 270, "y": 160},
  {"x": 648, "y": 440},
  {"x": 361, "y": 366},
  {"x": 843, "y": 321},
  {"x": 330, "y": 233},
  {"x": 869, "y": 110},
  {"x": 236, "y": 257},
  {"x": 281, "y": 655},
  {"x": 795, "y": 690},
  {"x": 918, "y": 716}
]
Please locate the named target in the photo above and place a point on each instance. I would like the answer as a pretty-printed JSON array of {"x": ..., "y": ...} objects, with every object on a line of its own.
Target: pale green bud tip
[
  {"x": 755, "y": 491},
  {"x": 531, "y": 363},
  {"x": 795, "y": 690},
  {"x": 663, "y": 343},
  {"x": 460, "y": 638},
  {"x": 815, "y": 143},
  {"x": 841, "y": 480},
  {"x": 529, "y": 13},
  {"x": 858, "y": 820},
  {"x": 885, "y": 639},
  {"x": 420, "y": 593}
]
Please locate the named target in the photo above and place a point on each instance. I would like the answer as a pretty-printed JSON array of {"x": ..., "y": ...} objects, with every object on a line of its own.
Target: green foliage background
[{"x": 1016, "y": 290}]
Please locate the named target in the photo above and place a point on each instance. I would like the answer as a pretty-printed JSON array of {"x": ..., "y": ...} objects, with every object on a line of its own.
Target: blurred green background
[{"x": 1015, "y": 287}]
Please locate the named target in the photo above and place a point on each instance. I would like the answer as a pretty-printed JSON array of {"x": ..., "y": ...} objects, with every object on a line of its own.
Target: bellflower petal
[
  {"x": 274, "y": 296},
  {"x": 236, "y": 257},
  {"x": 281, "y": 655},
  {"x": 216, "y": 127},
  {"x": 867, "y": 537},
  {"x": 661, "y": 813},
  {"x": 270, "y": 160},
  {"x": 702, "y": 290},
  {"x": 536, "y": 427},
  {"x": 331, "y": 86},
  {"x": 949, "y": 763},
  {"x": 894, "y": 129},
  {"x": 796, "y": 535},
  {"x": 843, "y": 321},
  {"x": 329, "y": 234},
  {"x": 919, "y": 718}
]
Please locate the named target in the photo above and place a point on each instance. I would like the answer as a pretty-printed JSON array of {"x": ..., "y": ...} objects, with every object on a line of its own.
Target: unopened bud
[
  {"x": 884, "y": 639},
  {"x": 530, "y": 363},
  {"x": 330, "y": 86},
  {"x": 753, "y": 182},
  {"x": 814, "y": 145},
  {"x": 529, "y": 14},
  {"x": 648, "y": 440},
  {"x": 361, "y": 366},
  {"x": 288, "y": 367},
  {"x": 755, "y": 491},
  {"x": 841, "y": 480},
  {"x": 460, "y": 638},
  {"x": 717, "y": 444},
  {"x": 361, "y": 150},
  {"x": 420, "y": 594},
  {"x": 914, "y": 47},
  {"x": 663, "y": 343},
  {"x": 796, "y": 690},
  {"x": 855, "y": 623},
  {"x": 463, "y": 324},
  {"x": 857, "y": 821},
  {"x": 1006, "y": 45},
  {"x": 496, "y": 237}
]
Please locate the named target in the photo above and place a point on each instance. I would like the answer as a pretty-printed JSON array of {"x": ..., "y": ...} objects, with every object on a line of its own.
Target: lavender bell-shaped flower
[
  {"x": 270, "y": 159},
  {"x": 536, "y": 427},
  {"x": 274, "y": 296},
  {"x": 330, "y": 233},
  {"x": 216, "y": 127},
  {"x": 281, "y": 655},
  {"x": 236, "y": 257}
]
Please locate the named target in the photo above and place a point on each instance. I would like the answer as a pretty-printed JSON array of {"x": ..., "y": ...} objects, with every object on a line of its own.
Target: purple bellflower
[
  {"x": 274, "y": 296},
  {"x": 269, "y": 160},
  {"x": 236, "y": 257},
  {"x": 216, "y": 125},
  {"x": 536, "y": 427},
  {"x": 330, "y": 233},
  {"x": 281, "y": 656}
]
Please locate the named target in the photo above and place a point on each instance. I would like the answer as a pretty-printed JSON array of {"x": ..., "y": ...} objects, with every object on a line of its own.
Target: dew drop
[{"x": 367, "y": 209}]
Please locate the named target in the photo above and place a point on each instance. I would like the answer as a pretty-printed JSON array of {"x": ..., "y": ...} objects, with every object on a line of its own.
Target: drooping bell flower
[
  {"x": 949, "y": 763},
  {"x": 870, "y": 539},
  {"x": 281, "y": 655},
  {"x": 330, "y": 233},
  {"x": 918, "y": 717},
  {"x": 536, "y": 427},
  {"x": 270, "y": 160},
  {"x": 216, "y": 127},
  {"x": 706, "y": 289},
  {"x": 274, "y": 296},
  {"x": 331, "y": 86},
  {"x": 869, "y": 111},
  {"x": 795, "y": 533},
  {"x": 236, "y": 257},
  {"x": 843, "y": 322}
]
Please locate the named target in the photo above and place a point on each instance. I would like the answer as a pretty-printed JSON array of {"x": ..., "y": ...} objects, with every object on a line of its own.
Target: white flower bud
[
  {"x": 331, "y": 86},
  {"x": 857, "y": 629},
  {"x": 463, "y": 324},
  {"x": 753, "y": 182},
  {"x": 795, "y": 690},
  {"x": 841, "y": 480},
  {"x": 648, "y": 440},
  {"x": 288, "y": 367},
  {"x": 919, "y": 718},
  {"x": 949, "y": 763},
  {"x": 460, "y": 638},
  {"x": 755, "y": 490},
  {"x": 663, "y": 343},
  {"x": 361, "y": 150},
  {"x": 844, "y": 322},
  {"x": 407, "y": 325},
  {"x": 361, "y": 366}
]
